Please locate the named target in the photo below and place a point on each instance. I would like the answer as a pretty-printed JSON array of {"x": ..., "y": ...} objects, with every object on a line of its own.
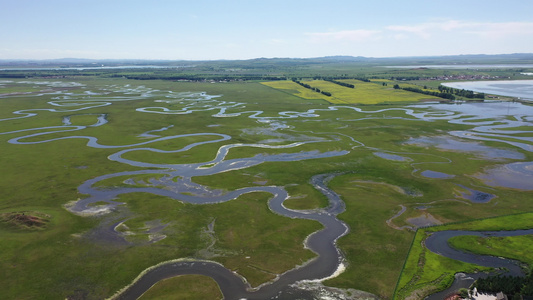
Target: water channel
[
  {"x": 487, "y": 120},
  {"x": 438, "y": 243}
]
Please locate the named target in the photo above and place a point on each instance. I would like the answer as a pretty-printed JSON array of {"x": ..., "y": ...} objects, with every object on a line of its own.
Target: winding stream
[
  {"x": 437, "y": 243},
  {"x": 175, "y": 180},
  {"x": 323, "y": 242}
]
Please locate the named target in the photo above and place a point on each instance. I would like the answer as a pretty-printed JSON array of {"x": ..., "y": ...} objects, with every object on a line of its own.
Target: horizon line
[{"x": 257, "y": 58}]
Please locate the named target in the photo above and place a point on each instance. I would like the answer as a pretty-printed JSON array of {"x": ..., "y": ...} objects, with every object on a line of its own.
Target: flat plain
[{"x": 51, "y": 251}]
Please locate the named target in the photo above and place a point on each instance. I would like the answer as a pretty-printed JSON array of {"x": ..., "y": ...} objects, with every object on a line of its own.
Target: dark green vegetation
[
  {"x": 518, "y": 248},
  {"x": 349, "y": 85},
  {"x": 307, "y": 86},
  {"x": 513, "y": 287},
  {"x": 444, "y": 95},
  {"x": 335, "y": 67},
  {"x": 184, "y": 287},
  {"x": 70, "y": 260},
  {"x": 425, "y": 272}
]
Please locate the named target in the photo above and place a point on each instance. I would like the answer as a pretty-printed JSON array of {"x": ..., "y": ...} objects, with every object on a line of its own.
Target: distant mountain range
[{"x": 516, "y": 58}]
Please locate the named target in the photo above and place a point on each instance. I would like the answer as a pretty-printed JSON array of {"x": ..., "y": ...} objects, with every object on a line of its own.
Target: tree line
[
  {"x": 462, "y": 93},
  {"x": 348, "y": 85},
  {"x": 512, "y": 286},
  {"x": 445, "y": 92},
  {"x": 329, "y": 78},
  {"x": 305, "y": 85},
  {"x": 444, "y": 95},
  {"x": 198, "y": 77}
]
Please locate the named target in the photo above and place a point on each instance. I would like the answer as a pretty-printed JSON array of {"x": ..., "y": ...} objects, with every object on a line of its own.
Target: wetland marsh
[{"x": 268, "y": 192}]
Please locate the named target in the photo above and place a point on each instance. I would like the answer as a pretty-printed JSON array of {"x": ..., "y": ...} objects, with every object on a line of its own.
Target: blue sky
[{"x": 206, "y": 30}]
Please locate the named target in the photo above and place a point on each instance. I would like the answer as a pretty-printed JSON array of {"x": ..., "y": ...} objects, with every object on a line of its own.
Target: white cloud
[
  {"x": 482, "y": 29},
  {"x": 426, "y": 38},
  {"x": 427, "y": 30},
  {"x": 358, "y": 35},
  {"x": 400, "y": 36},
  {"x": 420, "y": 30},
  {"x": 502, "y": 30}
]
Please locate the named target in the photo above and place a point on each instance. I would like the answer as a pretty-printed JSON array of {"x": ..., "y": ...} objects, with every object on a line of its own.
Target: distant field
[
  {"x": 296, "y": 89},
  {"x": 363, "y": 93}
]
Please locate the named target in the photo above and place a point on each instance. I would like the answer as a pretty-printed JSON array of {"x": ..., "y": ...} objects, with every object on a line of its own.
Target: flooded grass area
[
  {"x": 517, "y": 175},
  {"x": 435, "y": 174},
  {"x": 399, "y": 167}
]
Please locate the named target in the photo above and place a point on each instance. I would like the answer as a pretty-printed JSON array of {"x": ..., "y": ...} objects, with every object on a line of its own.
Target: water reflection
[
  {"x": 503, "y": 123},
  {"x": 515, "y": 88},
  {"x": 517, "y": 175},
  {"x": 475, "y": 196},
  {"x": 450, "y": 143},
  {"x": 435, "y": 174},
  {"x": 392, "y": 156}
]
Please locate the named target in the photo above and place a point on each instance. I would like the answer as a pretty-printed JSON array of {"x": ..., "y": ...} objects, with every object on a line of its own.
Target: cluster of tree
[
  {"x": 462, "y": 93},
  {"x": 198, "y": 77},
  {"x": 420, "y": 91},
  {"x": 46, "y": 73},
  {"x": 142, "y": 74},
  {"x": 12, "y": 76},
  {"x": 345, "y": 76},
  {"x": 348, "y": 85},
  {"x": 305, "y": 85},
  {"x": 405, "y": 78},
  {"x": 512, "y": 286},
  {"x": 364, "y": 79}
]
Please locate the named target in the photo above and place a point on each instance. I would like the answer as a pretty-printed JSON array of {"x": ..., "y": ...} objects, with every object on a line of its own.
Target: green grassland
[
  {"x": 516, "y": 247},
  {"x": 70, "y": 261},
  {"x": 425, "y": 272},
  {"x": 362, "y": 93},
  {"x": 194, "y": 287},
  {"x": 8, "y": 89},
  {"x": 264, "y": 69}
]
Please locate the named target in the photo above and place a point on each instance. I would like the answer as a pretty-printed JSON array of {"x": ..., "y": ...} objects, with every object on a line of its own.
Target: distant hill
[
  {"x": 516, "y": 58},
  {"x": 450, "y": 59}
]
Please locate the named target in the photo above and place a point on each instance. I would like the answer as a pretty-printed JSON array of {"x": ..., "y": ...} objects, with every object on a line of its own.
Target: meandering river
[
  {"x": 487, "y": 121},
  {"x": 438, "y": 243}
]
